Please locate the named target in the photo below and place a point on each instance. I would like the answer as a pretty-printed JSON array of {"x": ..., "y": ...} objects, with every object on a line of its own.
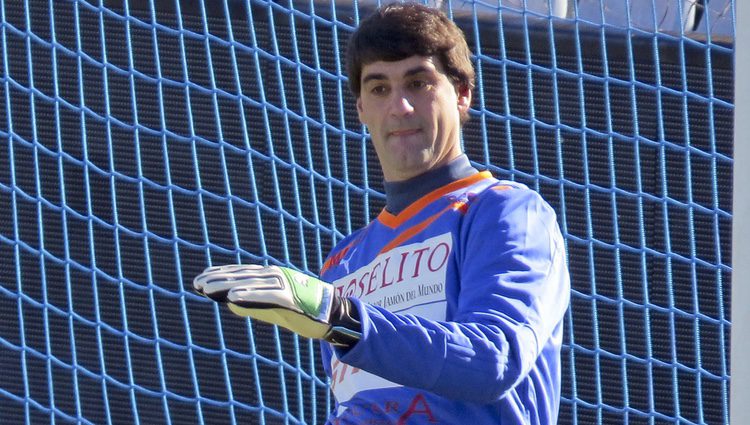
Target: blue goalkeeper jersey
[{"x": 461, "y": 298}]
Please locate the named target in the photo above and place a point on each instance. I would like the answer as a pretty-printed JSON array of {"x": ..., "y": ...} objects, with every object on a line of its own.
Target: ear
[
  {"x": 464, "y": 98},
  {"x": 359, "y": 109}
]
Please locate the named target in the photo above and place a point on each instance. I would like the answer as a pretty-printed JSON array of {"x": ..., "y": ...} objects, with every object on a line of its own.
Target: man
[{"x": 448, "y": 307}]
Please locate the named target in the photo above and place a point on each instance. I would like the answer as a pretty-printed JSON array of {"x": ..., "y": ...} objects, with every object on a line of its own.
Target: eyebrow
[{"x": 408, "y": 73}]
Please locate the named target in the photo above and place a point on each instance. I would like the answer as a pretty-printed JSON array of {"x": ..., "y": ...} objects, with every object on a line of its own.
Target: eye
[
  {"x": 418, "y": 84},
  {"x": 378, "y": 90}
]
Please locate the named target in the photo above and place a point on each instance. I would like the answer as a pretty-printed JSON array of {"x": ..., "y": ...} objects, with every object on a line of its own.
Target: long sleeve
[
  {"x": 513, "y": 293},
  {"x": 461, "y": 299}
]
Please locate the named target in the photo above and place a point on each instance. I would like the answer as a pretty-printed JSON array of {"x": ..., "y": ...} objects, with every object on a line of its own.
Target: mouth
[{"x": 404, "y": 132}]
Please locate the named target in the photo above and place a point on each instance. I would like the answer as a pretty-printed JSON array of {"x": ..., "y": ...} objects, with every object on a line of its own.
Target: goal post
[{"x": 740, "y": 336}]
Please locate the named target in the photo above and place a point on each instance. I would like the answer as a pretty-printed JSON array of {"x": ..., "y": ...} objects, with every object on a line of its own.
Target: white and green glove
[{"x": 303, "y": 304}]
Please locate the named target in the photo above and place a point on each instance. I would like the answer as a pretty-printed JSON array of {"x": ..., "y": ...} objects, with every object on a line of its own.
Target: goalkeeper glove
[{"x": 282, "y": 296}]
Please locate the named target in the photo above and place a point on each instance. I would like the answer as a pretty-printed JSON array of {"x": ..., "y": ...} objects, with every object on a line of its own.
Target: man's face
[{"x": 412, "y": 112}]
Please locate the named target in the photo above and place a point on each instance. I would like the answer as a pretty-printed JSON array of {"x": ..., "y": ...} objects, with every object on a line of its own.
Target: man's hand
[{"x": 278, "y": 295}]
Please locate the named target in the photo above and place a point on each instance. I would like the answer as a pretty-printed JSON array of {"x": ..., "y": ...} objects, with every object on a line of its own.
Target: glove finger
[
  {"x": 233, "y": 267},
  {"x": 264, "y": 290},
  {"x": 215, "y": 282},
  {"x": 295, "y": 322}
]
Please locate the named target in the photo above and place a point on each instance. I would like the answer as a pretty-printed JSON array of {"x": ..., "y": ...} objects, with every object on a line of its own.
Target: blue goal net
[{"x": 144, "y": 140}]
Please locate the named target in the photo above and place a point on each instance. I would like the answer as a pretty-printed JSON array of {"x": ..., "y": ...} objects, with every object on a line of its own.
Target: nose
[{"x": 401, "y": 105}]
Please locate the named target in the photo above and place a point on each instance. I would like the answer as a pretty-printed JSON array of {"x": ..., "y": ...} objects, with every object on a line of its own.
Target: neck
[{"x": 401, "y": 194}]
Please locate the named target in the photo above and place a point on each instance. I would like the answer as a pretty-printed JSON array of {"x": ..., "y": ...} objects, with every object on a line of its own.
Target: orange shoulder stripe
[{"x": 334, "y": 259}]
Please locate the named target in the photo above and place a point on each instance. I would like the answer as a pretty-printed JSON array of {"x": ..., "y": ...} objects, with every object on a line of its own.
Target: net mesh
[{"x": 145, "y": 140}]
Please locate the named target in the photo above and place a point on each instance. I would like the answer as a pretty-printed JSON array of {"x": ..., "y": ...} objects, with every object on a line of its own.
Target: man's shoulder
[
  {"x": 495, "y": 190},
  {"x": 341, "y": 248},
  {"x": 504, "y": 195}
]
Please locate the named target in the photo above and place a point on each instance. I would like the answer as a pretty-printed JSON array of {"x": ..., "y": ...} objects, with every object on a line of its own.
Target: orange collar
[{"x": 394, "y": 221}]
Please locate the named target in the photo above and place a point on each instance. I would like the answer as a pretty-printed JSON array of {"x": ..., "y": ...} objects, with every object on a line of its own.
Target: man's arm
[
  {"x": 514, "y": 293},
  {"x": 285, "y": 297}
]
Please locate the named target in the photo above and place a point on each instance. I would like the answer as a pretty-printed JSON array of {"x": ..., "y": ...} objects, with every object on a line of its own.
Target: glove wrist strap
[{"x": 346, "y": 328}]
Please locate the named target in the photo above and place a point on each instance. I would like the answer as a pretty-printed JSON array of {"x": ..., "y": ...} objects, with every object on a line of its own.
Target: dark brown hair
[{"x": 401, "y": 30}]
